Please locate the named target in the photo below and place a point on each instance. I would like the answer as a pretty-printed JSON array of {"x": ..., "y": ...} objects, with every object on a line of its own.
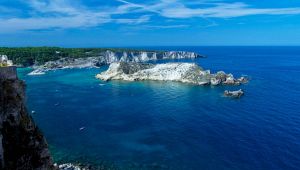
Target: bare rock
[
  {"x": 22, "y": 145},
  {"x": 234, "y": 94}
]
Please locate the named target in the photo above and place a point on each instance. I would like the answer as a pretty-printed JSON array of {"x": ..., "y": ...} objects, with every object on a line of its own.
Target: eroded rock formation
[
  {"x": 180, "y": 72},
  {"x": 109, "y": 57}
]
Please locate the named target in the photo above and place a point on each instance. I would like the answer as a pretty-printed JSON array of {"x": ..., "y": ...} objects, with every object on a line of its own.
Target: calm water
[{"x": 165, "y": 125}]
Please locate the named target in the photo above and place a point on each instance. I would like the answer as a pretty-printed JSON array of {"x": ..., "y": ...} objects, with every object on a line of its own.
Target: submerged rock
[
  {"x": 234, "y": 94},
  {"x": 180, "y": 72}
]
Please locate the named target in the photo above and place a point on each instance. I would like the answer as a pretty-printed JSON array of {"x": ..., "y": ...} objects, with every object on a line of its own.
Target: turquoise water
[{"x": 167, "y": 125}]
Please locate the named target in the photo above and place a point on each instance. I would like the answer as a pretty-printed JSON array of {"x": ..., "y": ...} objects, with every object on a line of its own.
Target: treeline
[{"x": 27, "y": 56}]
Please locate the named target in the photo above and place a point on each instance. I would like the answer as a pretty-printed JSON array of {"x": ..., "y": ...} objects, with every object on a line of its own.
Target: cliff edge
[
  {"x": 108, "y": 57},
  {"x": 22, "y": 145}
]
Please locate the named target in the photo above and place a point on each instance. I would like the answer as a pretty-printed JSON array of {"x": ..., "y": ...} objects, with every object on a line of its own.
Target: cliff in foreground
[{"x": 22, "y": 145}]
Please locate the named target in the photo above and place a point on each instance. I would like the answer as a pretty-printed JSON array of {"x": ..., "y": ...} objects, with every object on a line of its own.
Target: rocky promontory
[
  {"x": 109, "y": 57},
  {"x": 179, "y": 72},
  {"x": 22, "y": 145}
]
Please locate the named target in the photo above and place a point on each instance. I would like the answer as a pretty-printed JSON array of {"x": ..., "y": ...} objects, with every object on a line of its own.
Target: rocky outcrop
[
  {"x": 4, "y": 61},
  {"x": 109, "y": 57},
  {"x": 70, "y": 166},
  {"x": 234, "y": 94},
  {"x": 180, "y": 72},
  {"x": 22, "y": 145}
]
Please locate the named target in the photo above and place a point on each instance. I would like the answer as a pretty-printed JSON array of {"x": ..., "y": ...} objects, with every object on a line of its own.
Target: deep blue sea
[{"x": 167, "y": 125}]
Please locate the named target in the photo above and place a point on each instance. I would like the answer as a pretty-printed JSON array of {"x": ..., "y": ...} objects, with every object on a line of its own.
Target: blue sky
[{"x": 102, "y": 23}]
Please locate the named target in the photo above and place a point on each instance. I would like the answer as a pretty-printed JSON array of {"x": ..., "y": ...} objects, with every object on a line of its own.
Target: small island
[
  {"x": 125, "y": 64},
  {"x": 180, "y": 72}
]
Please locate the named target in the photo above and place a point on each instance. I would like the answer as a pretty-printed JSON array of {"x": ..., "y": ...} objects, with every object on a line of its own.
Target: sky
[{"x": 122, "y": 23}]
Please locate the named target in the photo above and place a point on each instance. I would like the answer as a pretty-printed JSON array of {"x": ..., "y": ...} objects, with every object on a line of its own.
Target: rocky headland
[
  {"x": 109, "y": 57},
  {"x": 22, "y": 145},
  {"x": 180, "y": 72}
]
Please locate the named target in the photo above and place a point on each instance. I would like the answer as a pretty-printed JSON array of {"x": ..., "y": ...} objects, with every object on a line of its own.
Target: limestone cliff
[
  {"x": 109, "y": 57},
  {"x": 180, "y": 72},
  {"x": 22, "y": 145}
]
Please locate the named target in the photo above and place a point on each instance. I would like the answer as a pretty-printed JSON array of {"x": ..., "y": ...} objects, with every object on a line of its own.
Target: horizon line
[{"x": 149, "y": 46}]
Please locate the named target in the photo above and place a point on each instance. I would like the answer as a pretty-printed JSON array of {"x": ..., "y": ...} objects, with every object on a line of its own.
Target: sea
[{"x": 149, "y": 125}]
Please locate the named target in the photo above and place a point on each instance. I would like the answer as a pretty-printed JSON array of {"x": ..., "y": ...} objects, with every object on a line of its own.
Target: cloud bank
[{"x": 64, "y": 14}]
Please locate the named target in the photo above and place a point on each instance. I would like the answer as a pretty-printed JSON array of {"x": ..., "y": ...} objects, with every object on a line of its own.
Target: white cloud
[
  {"x": 142, "y": 19},
  {"x": 60, "y": 14},
  {"x": 165, "y": 26},
  {"x": 64, "y": 14},
  {"x": 19, "y": 24},
  {"x": 179, "y": 9}
]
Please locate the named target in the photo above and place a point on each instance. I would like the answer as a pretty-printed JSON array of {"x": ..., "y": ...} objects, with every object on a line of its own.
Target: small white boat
[{"x": 82, "y": 128}]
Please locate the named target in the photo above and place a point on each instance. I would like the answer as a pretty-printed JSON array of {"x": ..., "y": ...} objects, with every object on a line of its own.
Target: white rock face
[
  {"x": 179, "y": 72},
  {"x": 108, "y": 57},
  {"x": 5, "y": 61},
  {"x": 215, "y": 81},
  {"x": 3, "y": 58},
  {"x": 69, "y": 166},
  {"x": 234, "y": 94},
  {"x": 36, "y": 72}
]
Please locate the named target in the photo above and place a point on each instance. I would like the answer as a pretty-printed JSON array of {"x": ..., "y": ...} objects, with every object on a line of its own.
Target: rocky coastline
[
  {"x": 180, "y": 72},
  {"x": 109, "y": 57},
  {"x": 22, "y": 145}
]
